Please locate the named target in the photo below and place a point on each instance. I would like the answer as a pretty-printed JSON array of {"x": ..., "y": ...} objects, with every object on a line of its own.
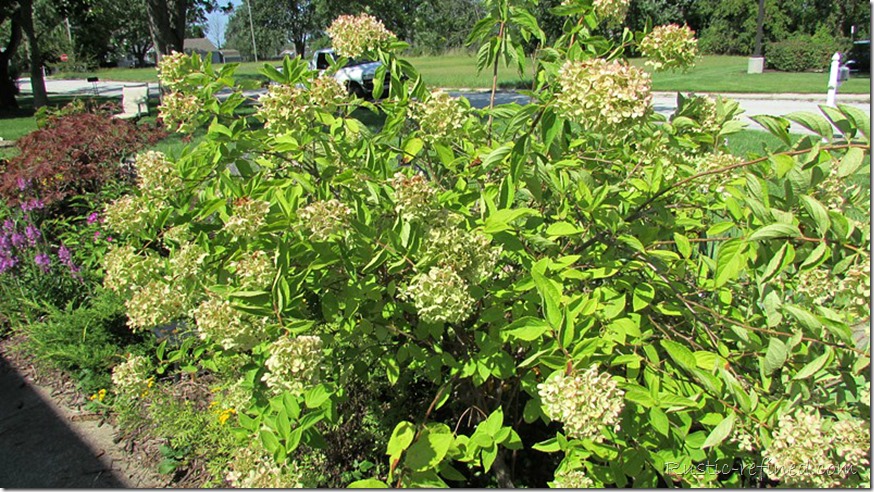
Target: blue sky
[{"x": 223, "y": 18}]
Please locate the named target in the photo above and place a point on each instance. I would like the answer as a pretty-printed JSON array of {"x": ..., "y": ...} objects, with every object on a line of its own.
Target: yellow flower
[{"x": 225, "y": 415}]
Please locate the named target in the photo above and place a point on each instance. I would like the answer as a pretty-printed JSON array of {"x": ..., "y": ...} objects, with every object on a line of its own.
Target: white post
[{"x": 833, "y": 81}]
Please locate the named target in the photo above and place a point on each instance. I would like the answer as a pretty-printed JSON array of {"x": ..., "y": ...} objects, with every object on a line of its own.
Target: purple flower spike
[
  {"x": 43, "y": 261},
  {"x": 32, "y": 233},
  {"x": 96, "y": 236},
  {"x": 65, "y": 256},
  {"x": 8, "y": 226},
  {"x": 7, "y": 263},
  {"x": 5, "y": 243},
  {"x": 18, "y": 240},
  {"x": 23, "y": 183},
  {"x": 34, "y": 204},
  {"x": 94, "y": 217}
]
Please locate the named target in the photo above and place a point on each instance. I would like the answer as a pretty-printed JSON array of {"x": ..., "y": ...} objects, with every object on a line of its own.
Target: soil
[{"x": 47, "y": 439}]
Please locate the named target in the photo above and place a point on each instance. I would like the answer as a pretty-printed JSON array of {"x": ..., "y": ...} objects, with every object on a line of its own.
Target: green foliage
[
  {"x": 802, "y": 53},
  {"x": 554, "y": 300}
]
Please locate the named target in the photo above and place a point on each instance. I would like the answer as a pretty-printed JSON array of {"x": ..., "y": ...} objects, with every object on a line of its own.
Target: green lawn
[{"x": 712, "y": 74}]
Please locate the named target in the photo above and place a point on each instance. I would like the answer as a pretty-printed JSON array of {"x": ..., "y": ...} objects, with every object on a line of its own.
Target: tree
[
  {"x": 133, "y": 36},
  {"x": 167, "y": 24},
  {"x": 37, "y": 81},
  {"x": 8, "y": 89},
  {"x": 268, "y": 39},
  {"x": 215, "y": 28}
]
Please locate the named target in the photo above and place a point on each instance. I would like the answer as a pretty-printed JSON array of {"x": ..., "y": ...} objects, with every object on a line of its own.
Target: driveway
[{"x": 665, "y": 102}]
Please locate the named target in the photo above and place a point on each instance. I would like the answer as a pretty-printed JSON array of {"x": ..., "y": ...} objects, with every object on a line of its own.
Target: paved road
[{"x": 664, "y": 102}]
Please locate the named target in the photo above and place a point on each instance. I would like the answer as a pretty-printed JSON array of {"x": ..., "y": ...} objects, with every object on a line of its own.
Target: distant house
[{"x": 205, "y": 48}]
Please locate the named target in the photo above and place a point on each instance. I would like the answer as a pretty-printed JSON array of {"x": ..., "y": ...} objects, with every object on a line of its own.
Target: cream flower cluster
[
  {"x": 585, "y": 402},
  {"x": 217, "y": 320},
  {"x": 254, "y": 270},
  {"x": 125, "y": 271},
  {"x": 293, "y": 364},
  {"x": 613, "y": 11},
  {"x": 177, "y": 235},
  {"x": 702, "y": 109},
  {"x": 440, "y": 295},
  {"x": 254, "y": 468},
  {"x": 179, "y": 111},
  {"x": 326, "y": 93},
  {"x": 128, "y": 214},
  {"x": 157, "y": 176},
  {"x": 670, "y": 47},
  {"x": 572, "y": 479},
  {"x": 173, "y": 69},
  {"x": 414, "y": 197},
  {"x": 355, "y": 35},
  {"x": 440, "y": 117},
  {"x": 603, "y": 95},
  {"x": 800, "y": 452},
  {"x": 283, "y": 109},
  {"x": 132, "y": 377},
  {"x": 187, "y": 260},
  {"x": 325, "y": 218},
  {"x": 471, "y": 254},
  {"x": 714, "y": 162},
  {"x": 853, "y": 289},
  {"x": 156, "y": 303},
  {"x": 248, "y": 217}
]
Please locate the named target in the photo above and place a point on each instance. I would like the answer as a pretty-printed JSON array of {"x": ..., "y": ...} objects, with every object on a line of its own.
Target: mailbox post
[{"x": 837, "y": 74}]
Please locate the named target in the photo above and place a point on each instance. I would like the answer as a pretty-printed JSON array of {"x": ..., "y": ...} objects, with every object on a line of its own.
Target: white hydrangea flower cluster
[
  {"x": 440, "y": 117},
  {"x": 293, "y": 364},
  {"x": 127, "y": 215},
  {"x": 853, "y": 289},
  {"x": 702, "y": 109},
  {"x": 179, "y": 111},
  {"x": 865, "y": 394},
  {"x": 254, "y": 468},
  {"x": 158, "y": 302},
  {"x": 355, "y": 35},
  {"x": 248, "y": 217},
  {"x": 815, "y": 284},
  {"x": 572, "y": 479},
  {"x": 217, "y": 320},
  {"x": 800, "y": 452},
  {"x": 157, "y": 176},
  {"x": 602, "y": 95},
  {"x": 414, "y": 197},
  {"x": 173, "y": 69},
  {"x": 133, "y": 376},
  {"x": 832, "y": 191},
  {"x": 125, "y": 271},
  {"x": 237, "y": 396},
  {"x": 584, "y": 402},
  {"x": 471, "y": 254},
  {"x": 744, "y": 440},
  {"x": 254, "y": 270},
  {"x": 283, "y": 109},
  {"x": 714, "y": 162},
  {"x": 327, "y": 94},
  {"x": 325, "y": 218},
  {"x": 187, "y": 260},
  {"x": 670, "y": 47},
  {"x": 613, "y": 11},
  {"x": 440, "y": 295}
]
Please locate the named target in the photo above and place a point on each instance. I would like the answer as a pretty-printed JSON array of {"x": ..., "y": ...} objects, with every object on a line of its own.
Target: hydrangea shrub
[{"x": 590, "y": 295}]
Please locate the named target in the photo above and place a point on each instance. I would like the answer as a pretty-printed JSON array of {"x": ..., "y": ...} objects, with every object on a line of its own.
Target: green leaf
[
  {"x": 401, "y": 438},
  {"x": 781, "y": 260},
  {"x": 548, "y": 446},
  {"x": 412, "y": 148},
  {"x": 838, "y": 120},
  {"x": 315, "y": 396},
  {"x": 562, "y": 229},
  {"x": 804, "y": 317},
  {"x": 730, "y": 261},
  {"x": 527, "y": 328},
  {"x": 775, "y": 356},
  {"x": 643, "y": 296},
  {"x": 269, "y": 440},
  {"x": 814, "y": 366},
  {"x": 489, "y": 455},
  {"x": 818, "y": 212},
  {"x": 813, "y": 122},
  {"x": 858, "y": 118},
  {"x": 851, "y": 162},
  {"x": 720, "y": 432},
  {"x": 782, "y": 164},
  {"x": 776, "y": 125},
  {"x": 680, "y": 354},
  {"x": 550, "y": 294},
  {"x": 683, "y": 245},
  {"x": 659, "y": 421},
  {"x": 367, "y": 483},
  {"x": 428, "y": 451},
  {"x": 772, "y": 231},
  {"x": 501, "y": 219},
  {"x": 816, "y": 255}
]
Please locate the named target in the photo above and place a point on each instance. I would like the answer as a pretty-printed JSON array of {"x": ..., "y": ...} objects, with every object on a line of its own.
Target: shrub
[
  {"x": 559, "y": 296},
  {"x": 72, "y": 155},
  {"x": 802, "y": 54}
]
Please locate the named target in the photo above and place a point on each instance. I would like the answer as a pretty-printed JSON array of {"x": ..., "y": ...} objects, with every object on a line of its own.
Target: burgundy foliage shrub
[{"x": 73, "y": 154}]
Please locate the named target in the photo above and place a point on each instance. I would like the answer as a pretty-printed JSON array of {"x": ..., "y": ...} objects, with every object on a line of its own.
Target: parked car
[
  {"x": 859, "y": 57},
  {"x": 356, "y": 76}
]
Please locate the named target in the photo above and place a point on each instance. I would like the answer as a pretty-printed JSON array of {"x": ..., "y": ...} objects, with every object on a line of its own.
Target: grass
[{"x": 712, "y": 74}]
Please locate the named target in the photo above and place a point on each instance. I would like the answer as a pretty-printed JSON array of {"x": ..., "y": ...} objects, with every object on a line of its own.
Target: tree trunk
[
  {"x": 300, "y": 47},
  {"x": 8, "y": 89},
  {"x": 37, "y": 81},
  {"x": 167, "y": 25}
]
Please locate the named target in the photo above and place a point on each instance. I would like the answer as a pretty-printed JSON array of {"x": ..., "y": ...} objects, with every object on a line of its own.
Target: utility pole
[
  {"x": 757, "y": 61},
  {"x": 252, "y": 29}
]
